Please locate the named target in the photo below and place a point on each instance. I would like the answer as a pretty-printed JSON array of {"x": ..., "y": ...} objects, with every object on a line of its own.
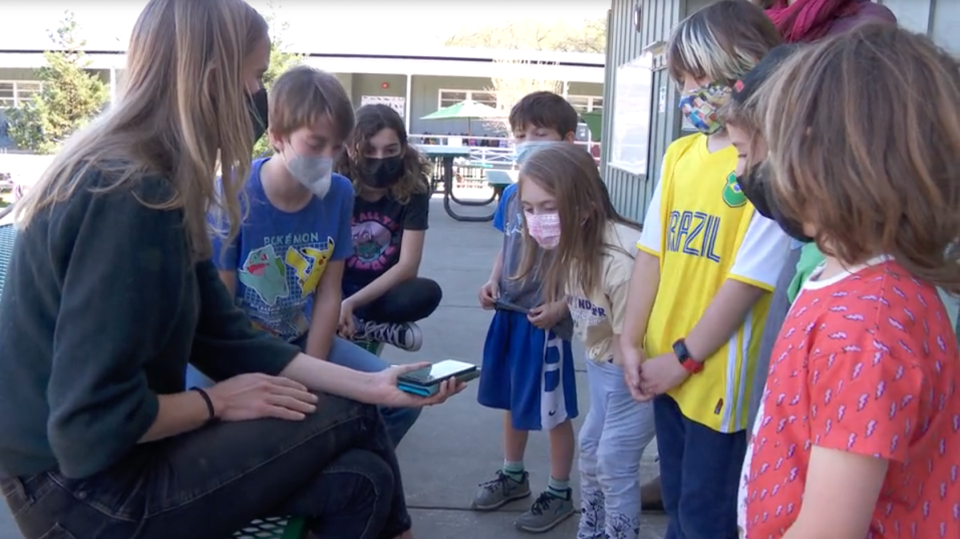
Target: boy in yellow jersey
[{"x": 701, "y": 283}]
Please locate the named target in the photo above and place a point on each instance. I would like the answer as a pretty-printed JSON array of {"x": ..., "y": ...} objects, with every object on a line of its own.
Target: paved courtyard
[{"x": 455, "y": 446}]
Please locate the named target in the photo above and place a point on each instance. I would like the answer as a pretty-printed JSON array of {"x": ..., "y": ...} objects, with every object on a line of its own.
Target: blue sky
[{"x": 361, "y": 25}]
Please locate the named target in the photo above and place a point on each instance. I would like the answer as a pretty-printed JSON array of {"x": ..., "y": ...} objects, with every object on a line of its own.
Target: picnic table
[{"x": 497, "y": 179}]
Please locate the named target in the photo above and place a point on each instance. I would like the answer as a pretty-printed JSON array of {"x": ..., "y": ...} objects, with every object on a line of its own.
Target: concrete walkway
[{"x": 455, "y": 446}]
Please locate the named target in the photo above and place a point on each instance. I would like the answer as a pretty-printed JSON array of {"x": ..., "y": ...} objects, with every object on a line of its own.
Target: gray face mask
[
  {"x": 523, "y": 150},
  {"x": 314, "y": 173}
]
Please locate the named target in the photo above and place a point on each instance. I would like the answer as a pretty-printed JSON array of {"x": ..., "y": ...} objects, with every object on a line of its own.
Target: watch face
[{"x": 680, "y": 350}]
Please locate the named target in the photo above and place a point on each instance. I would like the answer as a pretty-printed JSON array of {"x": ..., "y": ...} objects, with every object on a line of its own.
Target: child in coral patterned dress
[{"x": 859, "y": 429}]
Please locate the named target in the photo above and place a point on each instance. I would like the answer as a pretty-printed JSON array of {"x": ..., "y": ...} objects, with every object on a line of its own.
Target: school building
[
  {"x": 641, "y": 118},
  {"x": 415, "y": 84}
]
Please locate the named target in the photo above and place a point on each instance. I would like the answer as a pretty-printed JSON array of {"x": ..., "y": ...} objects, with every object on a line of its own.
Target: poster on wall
[
  {"x": 396, "y": 103},
  {"x": 633, "y": 100}
]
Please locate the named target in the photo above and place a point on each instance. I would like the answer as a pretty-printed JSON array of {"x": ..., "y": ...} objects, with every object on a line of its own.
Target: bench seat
[{"x": 273, "y": 528}]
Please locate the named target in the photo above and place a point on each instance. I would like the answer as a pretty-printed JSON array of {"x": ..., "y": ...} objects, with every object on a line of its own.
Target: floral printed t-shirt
[{"x": 866, "y": 362}]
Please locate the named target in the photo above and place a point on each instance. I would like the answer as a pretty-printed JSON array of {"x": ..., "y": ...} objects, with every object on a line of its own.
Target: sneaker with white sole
[
  {"x": 406, "y": 336},
  {"x": 500, "y": 491}
]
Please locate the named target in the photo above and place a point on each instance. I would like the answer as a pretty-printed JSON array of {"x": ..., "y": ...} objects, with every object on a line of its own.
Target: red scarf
[{"x": 809, "y": 20}]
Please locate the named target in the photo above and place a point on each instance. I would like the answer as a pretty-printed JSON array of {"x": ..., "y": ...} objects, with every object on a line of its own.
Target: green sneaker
[
  {"x": 548, "y": 511},
  {"x": 500, "y": 491}
]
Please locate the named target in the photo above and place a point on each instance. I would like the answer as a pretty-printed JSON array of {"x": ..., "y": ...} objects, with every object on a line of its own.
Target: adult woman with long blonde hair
[{"x": 111, "y": 292}]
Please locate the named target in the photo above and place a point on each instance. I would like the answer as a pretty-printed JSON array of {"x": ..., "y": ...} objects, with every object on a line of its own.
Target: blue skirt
[{"x": 529, "y": 372}]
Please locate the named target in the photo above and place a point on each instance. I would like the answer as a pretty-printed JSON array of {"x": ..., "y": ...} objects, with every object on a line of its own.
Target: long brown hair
[
  {"x": 371, "y": 119},
  {"x": 182, "y": 114},
  {"x": 569, "y": 173},
  {"x": 864, "y": 134}
]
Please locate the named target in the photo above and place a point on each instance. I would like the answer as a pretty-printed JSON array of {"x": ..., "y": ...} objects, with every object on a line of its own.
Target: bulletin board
[{"x": 632, "y": 101}]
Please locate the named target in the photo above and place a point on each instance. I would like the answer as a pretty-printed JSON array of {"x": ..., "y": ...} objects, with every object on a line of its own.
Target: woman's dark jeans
[
  {"x": 409, "y": 301},
  {"x": 336, "y": 467}
]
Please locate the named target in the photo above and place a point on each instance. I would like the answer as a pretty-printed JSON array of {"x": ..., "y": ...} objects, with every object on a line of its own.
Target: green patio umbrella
[
  {"x": 466, "y": 110},
  {"x": 594, "y": 121}
]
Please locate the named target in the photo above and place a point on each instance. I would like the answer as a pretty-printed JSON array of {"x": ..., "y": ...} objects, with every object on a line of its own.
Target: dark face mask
[
  {"x": 257, "y": 105},
  {"x": 757, "y": 191},
  {"x": 382, "y": 173}
]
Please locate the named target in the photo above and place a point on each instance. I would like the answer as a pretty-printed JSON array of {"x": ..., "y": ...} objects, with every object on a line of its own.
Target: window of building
[
  {"x": 586, "y": 103},
  {"x": 7, "y": 94},
  {"x": 452, "y": 97},
  {"x": 487, "y": 98},
  {"x": 14, "y": 93}
]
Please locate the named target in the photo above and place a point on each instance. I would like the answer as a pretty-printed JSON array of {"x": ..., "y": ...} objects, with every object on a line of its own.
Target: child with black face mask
[
  {"x": 383, "y": 295},
  {"x": 861, "y": 412},
  {"x": 754, "y": 178}
]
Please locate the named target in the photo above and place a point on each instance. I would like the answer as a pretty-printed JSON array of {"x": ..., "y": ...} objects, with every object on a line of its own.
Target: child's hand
[
  {"x": 661, "y": 374},
  {"x": 346, "y": 327},
  {"x": 547, "y": 315},
  {"x": 631, "y": 358},
  {"x": 489, "y": 293}
]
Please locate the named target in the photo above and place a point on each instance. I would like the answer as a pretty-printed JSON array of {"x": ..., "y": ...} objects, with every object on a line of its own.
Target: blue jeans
[
  {"x": 346, "y": 354},
  {"x": 699, "y": 474},
  {"x": 336, "y": 468}
]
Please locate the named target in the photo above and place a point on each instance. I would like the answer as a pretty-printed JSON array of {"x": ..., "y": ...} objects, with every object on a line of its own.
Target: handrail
[{"x": 491, "y": 156}]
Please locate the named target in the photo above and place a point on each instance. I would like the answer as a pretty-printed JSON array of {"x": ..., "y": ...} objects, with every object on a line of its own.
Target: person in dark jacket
[{"x": 111, "y": 292}]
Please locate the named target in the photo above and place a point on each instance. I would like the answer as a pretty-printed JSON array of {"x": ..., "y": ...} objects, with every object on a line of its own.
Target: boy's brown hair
[
  {"x": 303, "y": 95},
  {"x": 547, "y": 110},
  {"x": 740, "y": 111},
  {"x": 864, "y": 133},
  {"x": 720, "y": 42}
]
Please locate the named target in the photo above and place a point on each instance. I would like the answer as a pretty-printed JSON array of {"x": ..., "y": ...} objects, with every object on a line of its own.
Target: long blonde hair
[{"x": 182, "y": 114}]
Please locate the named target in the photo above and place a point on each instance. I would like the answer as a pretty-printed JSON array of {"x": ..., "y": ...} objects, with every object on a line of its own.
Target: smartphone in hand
[{"x": 426, "y": 381}]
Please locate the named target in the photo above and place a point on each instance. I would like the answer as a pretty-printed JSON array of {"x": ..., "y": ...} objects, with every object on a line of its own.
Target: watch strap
[{"x": 686, "y": 360}]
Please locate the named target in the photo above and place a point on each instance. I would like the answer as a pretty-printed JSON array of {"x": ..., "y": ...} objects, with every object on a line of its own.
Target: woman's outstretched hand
[
  {"x": 386, "y": 392},
  {"x": 256, "y": 396}
]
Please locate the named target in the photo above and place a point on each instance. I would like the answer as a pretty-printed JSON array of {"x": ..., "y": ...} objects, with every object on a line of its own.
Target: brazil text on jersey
[{"x": 693, "y": 233}]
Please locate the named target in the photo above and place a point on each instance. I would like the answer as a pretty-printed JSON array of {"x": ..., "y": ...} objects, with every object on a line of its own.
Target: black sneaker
[
  {"x": 548, "y": 511},
  {"x": 404, "y": 336}
]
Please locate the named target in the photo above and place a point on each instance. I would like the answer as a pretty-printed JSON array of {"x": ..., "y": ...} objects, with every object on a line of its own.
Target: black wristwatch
[{"x": 683, "y": 355}]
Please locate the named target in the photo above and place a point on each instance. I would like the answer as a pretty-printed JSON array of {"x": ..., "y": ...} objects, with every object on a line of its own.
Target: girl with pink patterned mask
[{"x": 567, "y": 211}]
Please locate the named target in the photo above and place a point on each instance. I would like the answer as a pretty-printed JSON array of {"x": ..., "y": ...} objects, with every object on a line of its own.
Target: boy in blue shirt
[
  {"x": 286, "y": 264},
  {"x": 527, "y": 359}
]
